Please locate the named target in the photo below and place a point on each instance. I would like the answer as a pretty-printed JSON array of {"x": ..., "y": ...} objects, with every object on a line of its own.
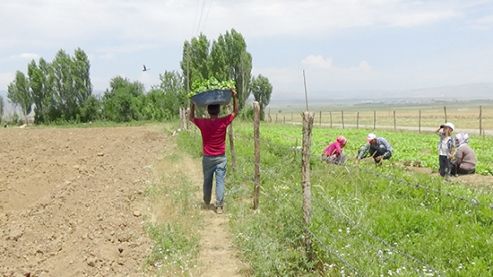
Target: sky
[{"x": 343, "y": 45}]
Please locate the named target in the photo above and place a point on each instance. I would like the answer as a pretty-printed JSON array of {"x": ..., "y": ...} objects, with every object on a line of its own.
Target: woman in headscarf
[
  {"x": 334, "y": 152},
  {"x": 464, "y": 161}
]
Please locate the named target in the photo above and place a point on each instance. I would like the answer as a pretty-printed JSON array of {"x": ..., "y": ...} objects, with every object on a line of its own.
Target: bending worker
[
  {"x": 464, "y": 161},
  {"x": 377, "y": 147}
]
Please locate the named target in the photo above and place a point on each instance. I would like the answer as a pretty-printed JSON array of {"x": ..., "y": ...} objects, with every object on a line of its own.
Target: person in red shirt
[
  {"x": 213, "y": 131},
  {"x": 334, "y": 152}
]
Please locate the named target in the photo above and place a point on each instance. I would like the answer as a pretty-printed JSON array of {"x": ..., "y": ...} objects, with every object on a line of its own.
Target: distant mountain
[{"x": 466, "y": 92}]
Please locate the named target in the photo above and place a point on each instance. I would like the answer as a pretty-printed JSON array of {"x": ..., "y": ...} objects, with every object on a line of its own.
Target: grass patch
[{"x": 173, "y": 222}]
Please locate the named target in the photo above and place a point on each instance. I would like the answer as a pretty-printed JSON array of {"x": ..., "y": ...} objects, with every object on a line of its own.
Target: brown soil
[
  {"x": 71, "y": 204},
  {"x": 70, "y": 200},
  {"x": 473, "y": 180}
]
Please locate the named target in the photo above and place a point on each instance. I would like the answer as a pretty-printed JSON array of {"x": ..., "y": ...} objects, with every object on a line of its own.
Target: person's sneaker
[{"x": 219, "y": 210}]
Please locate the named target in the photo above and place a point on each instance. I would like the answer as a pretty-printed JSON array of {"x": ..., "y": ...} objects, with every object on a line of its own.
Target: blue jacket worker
[{"x": 377, "y": 147}]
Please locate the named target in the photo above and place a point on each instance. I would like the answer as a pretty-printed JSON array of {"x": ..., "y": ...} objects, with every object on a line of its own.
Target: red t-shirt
[{"x": 213, "y": 132}]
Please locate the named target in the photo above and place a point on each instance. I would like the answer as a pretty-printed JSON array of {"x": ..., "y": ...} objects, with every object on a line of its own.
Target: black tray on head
[{"x": 211, "y": 97}]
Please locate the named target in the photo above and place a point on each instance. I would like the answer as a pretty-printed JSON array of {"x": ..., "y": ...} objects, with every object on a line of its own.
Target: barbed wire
[
  {"x": 370, "y": 234},
  {"x": 334, "y": 252}
]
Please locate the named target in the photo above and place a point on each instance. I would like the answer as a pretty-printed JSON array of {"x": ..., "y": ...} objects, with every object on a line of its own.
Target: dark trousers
[
  {"x": 380, "y": 153},
  {"x": 456, "y": 170},
  {"x": 445, "y": 165}
]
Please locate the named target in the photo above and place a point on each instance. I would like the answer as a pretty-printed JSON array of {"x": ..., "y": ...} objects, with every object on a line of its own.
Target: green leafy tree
[
  {"x": 19, "y": 94},
  {"x": 261, "y": 89},
  {"x": 123, "y": 101},
  {"x": 194, "y": 63},
  {"x": 45, "y": 101},
  {"x": 80, "y": 68},
  {"x": 91, "y": 109},
  {"x": 37, "y": 85},
  {"x": 63, "y": 89},
  {"x": 72, "y": 84},
  {"x": 229, "y": 59}
]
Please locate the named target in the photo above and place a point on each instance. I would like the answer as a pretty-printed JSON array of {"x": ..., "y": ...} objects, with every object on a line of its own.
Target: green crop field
[{"x": 367, "y": 220}]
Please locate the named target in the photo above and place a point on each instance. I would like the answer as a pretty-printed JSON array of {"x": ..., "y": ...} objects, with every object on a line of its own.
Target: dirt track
[{"x": 71, "y": 200}]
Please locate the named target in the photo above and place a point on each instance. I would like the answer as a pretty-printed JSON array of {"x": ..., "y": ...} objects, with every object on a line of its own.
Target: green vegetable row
[{"x": 212, "y": 83}]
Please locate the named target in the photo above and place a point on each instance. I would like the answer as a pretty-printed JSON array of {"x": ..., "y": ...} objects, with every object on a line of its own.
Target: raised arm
[
  {"x": 192, "y": 111},
  {"x": 235, "y": 102}
]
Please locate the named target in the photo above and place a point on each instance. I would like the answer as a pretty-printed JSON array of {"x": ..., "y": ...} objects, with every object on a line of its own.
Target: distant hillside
[{"x": 468, "y": 92}]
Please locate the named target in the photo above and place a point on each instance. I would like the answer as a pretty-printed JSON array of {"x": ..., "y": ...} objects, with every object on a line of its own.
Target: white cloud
[
  {"x": 322, "y": 75},
  {"x": 46, "y": 22},
  {"x": 317, "y": 61},
  {"x": 26, "y": 56},
  {"x": 118, "y": 34},
  {"x": 485, "y": 22}
]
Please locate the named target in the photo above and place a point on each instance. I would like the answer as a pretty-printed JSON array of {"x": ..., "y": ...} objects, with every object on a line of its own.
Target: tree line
[{"x": 61, "y": 90}]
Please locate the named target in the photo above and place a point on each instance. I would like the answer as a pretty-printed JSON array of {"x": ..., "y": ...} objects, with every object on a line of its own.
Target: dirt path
[{"x": 217, "y": 255}]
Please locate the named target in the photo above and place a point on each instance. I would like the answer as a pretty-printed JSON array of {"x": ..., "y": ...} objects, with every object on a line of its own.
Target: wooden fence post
[
  {"x": 481, "y": 131},
  {"x": 305, "y": 182},
  {"x": 283, "y": 119},
  {"x": 330, "y": 114},
  {"x": 419, "y": 122},
  {"x": 291, "y": 117},
  {"x": 181, "y": 118},
  {"x": 320, "y": 116},
  {"x": 256, "y": 142},
  {"x": 342, "y": 118},
  {"x": 232, "y": 146},
  {"x": 445, "y": 112},
  {"x": 395, "y": 124},
  {"x": 374, "y": 120},
  {"x": 357, "y": 120},
  {"x": 187, "y": 115},
  {"x": 276, "y": 117}
]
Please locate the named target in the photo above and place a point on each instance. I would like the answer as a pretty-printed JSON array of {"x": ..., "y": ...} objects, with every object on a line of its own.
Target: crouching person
[
  {"x": 333, "y": 153},
  {"x": 464, "y": 161},
  {"x": 377, "y": 147}
]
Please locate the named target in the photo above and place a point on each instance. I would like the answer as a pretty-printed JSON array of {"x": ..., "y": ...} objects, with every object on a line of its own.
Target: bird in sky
[{"x": 145, "y": 68}]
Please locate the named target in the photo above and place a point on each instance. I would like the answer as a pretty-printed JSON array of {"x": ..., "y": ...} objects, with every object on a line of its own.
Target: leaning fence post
[
  {"x": 330, "y": 114},
  {"x": 256, "y": 142},
  {"x": 374, "y": 120},
  {"x": 342, "y": 118},
  {"x": 395, "y": 124},
  {"x": 232, "y": 147},
  {"x": 445, "y": 112},
  {"x": 481, "y": 120},
  {"x": 419, "y": 122},
  {"x": 320, "y": 116},
  {"x": 305, "y": 181},
  {"x": 357, "y": 120}
]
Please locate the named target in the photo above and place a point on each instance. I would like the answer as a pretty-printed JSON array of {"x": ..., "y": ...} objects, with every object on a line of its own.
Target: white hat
[
  {"x": 448, "y": 124},
  {"x": 371, "y": 136}
]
